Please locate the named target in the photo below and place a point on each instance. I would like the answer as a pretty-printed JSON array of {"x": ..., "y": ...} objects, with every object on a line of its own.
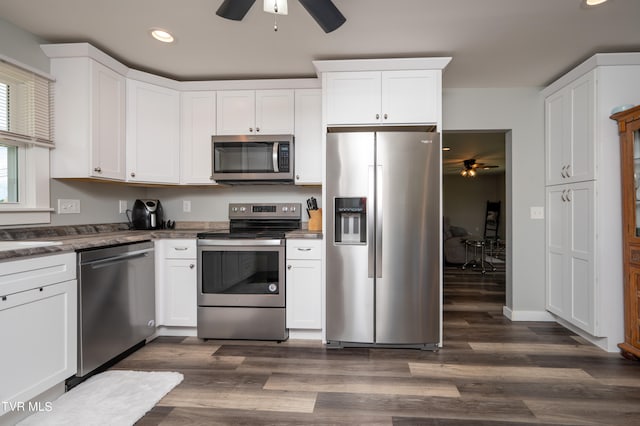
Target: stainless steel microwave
[{"x": 252, "y": 159}]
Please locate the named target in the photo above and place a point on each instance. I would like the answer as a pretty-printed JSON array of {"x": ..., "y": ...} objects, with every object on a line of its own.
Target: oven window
[
  {"x": 240, "y": 272},
  {"x": 246, "y": 157}
]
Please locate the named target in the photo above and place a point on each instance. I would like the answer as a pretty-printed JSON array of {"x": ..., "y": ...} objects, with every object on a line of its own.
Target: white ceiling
[{"x": 494, "y": 43}]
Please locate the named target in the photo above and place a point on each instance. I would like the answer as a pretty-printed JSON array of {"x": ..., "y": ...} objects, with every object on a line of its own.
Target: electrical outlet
[
  {"x": 186, "y": 206},
  {"x": 122, "y": 206},
  {"x": 68, "y": 206},
  {"x": 536, "y": 212}
]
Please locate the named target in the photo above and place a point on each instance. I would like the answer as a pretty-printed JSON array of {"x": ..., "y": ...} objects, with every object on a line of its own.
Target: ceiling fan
[
  {"x": 324, "y": 12},
  {"x": 470, "y": 166}
]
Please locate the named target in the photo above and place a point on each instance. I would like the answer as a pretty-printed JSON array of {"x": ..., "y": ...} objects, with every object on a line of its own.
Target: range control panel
[{"x": 265, "y": 211}]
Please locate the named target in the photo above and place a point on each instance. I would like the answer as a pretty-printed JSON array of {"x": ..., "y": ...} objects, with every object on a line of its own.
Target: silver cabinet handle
[
  {"x": 181, "y": 248},
  {"x": 377, "y": 116},
  {"x": 288, "y": 266},
  {"x": 568, "y": 170},
  {"x": 191, "y": 266},
  {"x": 133, "y": 174},
  {"x": 250, "y": 129},
  {"x": 298, "y": 177},
  {"x": 562, "y": 173},
  {"x": 563, "y": 195},
  {"x": 385, "y": 116},
  {"x": 304, "y": 248},
  {"x": 257, "y": 129},
  {"x": 97, "y": 169},
  {"x": 567, "y": 196}
]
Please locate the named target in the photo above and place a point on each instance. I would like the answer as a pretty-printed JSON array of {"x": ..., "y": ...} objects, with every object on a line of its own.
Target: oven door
[{"x": 241, "y": 273}]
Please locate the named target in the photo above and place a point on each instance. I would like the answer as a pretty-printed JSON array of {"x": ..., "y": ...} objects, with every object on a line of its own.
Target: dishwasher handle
[{"x": 107, "y": 261}]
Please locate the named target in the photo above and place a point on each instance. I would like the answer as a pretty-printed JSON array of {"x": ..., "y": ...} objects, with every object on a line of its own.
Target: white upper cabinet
[
  {"x": 245, "y": 112},
  {"x": 89, "y": 120},
  {"x": 570, "y": 132},
  {"x": 308, "y": 137},
  {"x": 153, "y": 133},
  {"x": 198, "y": 124},
  {"x": 383, "y": 97}
]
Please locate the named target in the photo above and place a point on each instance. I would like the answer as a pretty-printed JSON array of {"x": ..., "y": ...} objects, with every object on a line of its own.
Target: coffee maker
[{"x": 147, "y": 214}]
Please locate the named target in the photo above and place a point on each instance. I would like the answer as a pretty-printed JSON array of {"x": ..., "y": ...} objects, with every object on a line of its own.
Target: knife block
[{"x": 315, "y": 221}]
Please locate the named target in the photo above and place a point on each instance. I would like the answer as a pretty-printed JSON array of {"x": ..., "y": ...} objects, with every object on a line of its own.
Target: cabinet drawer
[
  {"x": 304, "y": 249},
  {"x": 25, "y": 274},
  {"x": 180, "y": 249}
]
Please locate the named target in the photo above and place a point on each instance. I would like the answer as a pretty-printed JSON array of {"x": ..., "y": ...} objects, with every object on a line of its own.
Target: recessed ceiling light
[
  {"x": 446, "y": 148},
  {"x": 592, "y": 3},
  {"x": 161, "y": 35}
]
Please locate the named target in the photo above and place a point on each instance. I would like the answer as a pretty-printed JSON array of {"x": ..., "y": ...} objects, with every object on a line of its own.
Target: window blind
[{"x": 26, "y": 105}]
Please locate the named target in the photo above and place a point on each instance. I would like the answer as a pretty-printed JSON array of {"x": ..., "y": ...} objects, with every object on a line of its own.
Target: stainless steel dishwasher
[{"x": 116, "y": 302}]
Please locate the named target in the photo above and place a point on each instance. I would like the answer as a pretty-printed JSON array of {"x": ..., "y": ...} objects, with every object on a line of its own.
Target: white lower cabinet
[
  {"x": 571, "y": 278},
  {"x": 38, "y": 326},
  {"x": 176, "y": 286},
  {"x": 304, "y": 284}
]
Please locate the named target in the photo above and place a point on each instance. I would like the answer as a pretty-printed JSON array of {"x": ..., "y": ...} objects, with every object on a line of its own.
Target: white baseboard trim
[
  {"x": 543, "y": 316},
  {"x": 176, "y": 331},
  {"x": 305, "y": 334}
]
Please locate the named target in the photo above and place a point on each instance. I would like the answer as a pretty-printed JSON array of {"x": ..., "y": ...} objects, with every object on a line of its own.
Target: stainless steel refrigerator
[{"x": 383, "y": 248}]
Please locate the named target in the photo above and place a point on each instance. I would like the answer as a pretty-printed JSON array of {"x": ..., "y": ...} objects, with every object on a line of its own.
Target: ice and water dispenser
[{"x": 351, "y": 220}]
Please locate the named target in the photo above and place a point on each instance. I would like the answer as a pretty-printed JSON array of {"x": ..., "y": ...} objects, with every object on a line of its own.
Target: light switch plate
[
  {"x": 68, "y": 206},
  {"x": 537, "y": 212},
  {"x": 186, "y": 206},
  {"x": 122, "y": 206}
]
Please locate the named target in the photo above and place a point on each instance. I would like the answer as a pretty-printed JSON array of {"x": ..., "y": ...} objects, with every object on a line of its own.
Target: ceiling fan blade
[
  {"x": 234, "y": 9},
  {"x": 325, "y": 13}
]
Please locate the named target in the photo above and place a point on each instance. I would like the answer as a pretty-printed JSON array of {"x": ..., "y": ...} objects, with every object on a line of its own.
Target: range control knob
[
  {"x": 293, "y": 208},
  {"x": 243, "y": 209},
  {"x": 273, "y": 287},
  {"x": 285, "y": 209},
  {"x": 234, "y": 209}
]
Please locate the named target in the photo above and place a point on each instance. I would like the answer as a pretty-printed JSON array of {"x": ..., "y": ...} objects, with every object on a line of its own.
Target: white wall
[
  {"x": 521, "y": 111},
  {"x": 22, "y": 46}
]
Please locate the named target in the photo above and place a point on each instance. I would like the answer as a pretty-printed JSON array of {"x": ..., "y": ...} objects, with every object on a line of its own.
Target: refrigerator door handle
[
  {"x": 371, "y": 223},
  {"x": 378, "y": 204}
]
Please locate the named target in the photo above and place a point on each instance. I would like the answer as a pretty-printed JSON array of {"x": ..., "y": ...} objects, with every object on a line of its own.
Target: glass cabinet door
[{"x": 636, "y": 178}]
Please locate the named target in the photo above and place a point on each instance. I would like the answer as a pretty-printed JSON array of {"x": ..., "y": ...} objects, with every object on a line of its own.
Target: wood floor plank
[
  {"x": 369, "y": 385},
  {"x": 585, "y": 412},
  {"x": 497, "y": 373},
  {"x": 528, "y": 348},
  {"x": 427, "y": 407},
  {"x": 204, "y": 397}
]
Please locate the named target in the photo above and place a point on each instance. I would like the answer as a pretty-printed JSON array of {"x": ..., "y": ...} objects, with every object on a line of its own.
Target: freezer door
[
  {"x": 349, "y": 267},
  {"x": 408, "y": 233}
]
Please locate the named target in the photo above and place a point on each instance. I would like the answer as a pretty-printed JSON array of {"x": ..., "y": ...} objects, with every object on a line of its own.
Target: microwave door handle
[{"x": 274, "y": 155}]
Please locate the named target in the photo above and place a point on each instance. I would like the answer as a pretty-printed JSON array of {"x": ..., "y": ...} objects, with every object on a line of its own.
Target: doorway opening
[{"x": 475, "y": 173}]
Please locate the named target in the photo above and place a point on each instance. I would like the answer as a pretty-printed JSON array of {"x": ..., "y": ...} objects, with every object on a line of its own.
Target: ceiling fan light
[
  {"x": 472, "y": 173},
  {"x": 278, "y": 7},
  {"x": 463, "y": 173}
]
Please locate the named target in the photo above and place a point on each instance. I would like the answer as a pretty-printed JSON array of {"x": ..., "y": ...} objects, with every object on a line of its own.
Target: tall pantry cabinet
[{"x": 583, "y": 216}]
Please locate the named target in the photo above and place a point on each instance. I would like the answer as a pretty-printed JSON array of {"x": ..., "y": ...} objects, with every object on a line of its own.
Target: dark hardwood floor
[{"x": 489, "y": 372}]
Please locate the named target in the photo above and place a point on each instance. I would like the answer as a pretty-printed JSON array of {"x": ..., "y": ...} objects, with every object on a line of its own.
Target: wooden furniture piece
[{"x": 629, "y": 129}]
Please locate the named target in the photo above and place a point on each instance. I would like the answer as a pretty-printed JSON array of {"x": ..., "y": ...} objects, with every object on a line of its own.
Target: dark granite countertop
[
  {"x": 80, "y": 237},
  {"x": 303, "y": 234}
]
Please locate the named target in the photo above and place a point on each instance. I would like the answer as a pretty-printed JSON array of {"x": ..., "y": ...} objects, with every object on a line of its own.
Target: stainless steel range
[{"x": 241, "y": 273}]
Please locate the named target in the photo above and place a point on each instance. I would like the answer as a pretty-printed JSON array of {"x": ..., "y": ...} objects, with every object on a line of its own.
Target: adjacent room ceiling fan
[
  {"x": 324, "y": 12},
  {"x": 470, "y": 166}
]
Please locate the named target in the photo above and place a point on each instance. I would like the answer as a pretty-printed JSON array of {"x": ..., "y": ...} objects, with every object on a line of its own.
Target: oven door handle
[
  {"x": 274, "y": 156},
  {"x": 236, "y": 243}
]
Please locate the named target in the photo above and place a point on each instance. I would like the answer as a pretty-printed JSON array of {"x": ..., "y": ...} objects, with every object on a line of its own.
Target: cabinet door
[
  {"x": 581, "y": 153},
  {"x": 570, "y": 269},
  {"x": 153, "y": 133},
  {"x": 308, "y": 137},
  {"x": 304, "y": 294},
  {"x": 198, "y": 124},
  {"x": 235, "y": 112},
  {"x": 107, "y": 123},
  {"x": 558, "y": 291},
  {"x": 580, "y": 248},
  {"x": 632, "y": 306},
  {"x": 410, "y": 96},
  {"x": 556, "y": 137},
  {"x": 274, "y": 112},
  {"x": 180, "y": 292},
  {"x": 38, "y": 330},
  {"x": 353, "y": 97}
]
